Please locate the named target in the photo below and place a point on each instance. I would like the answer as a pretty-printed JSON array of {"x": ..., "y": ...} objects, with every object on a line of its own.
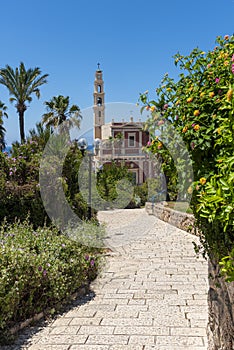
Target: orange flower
[
  {"x": 229, "y": 94},
  {"x": 202, "y": 94},
  {"x": 190, "y": 99},
  {"x": 196, "y": 127},
  {"x": 211, "y": 94},
  {"x": 226, "y": 63},
  {"x": 160, "y": 145},
  {"x": 152, "y": 109},
  {"x": 196, "y": 113},
  {"x": 185, "y": 129},
  {"x": 202, "y": 180}
]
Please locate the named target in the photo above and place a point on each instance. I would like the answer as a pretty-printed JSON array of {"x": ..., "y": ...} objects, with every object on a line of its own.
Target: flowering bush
[
  {"x": 200, "y": 107},
  {"x": 40, "y": 268}
]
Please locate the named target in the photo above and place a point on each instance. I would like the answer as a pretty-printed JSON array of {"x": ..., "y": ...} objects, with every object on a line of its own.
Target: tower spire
[{"x": 99, "y": 103}]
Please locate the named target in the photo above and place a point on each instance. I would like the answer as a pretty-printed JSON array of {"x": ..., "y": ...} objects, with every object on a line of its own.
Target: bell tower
[{"x": 99, "y": 103}]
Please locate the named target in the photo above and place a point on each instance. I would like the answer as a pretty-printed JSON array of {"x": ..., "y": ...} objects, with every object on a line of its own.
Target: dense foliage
[
  {"x": 200, "y": 108},
  {"x": 117, "y": 194},
  {"x": 20, "y": 191},
  {"x": 39, "y": 268},
  {"x": 107, "y": 179}
]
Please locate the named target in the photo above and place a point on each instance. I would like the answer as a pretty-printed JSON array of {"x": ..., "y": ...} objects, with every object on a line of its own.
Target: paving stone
[
  {"x": 179, "y": 340},
  {"x": 198, "y": 323},
  {"x": 189, "y": 331},
  {"x": 96, "y": 330},
  {"x": 142, "y": 330},
  {"x": 141, "y": 339},
  {"x": 82, "y": 312},
  {"x": 137, "y": 302},
  {"x": 127, "y": 321},
  {"x": 80, "y": 321},
  {"x": 65, "y": 330},
  {"x": 170, "y": 321},
  {"x": 62, "y": 321},
  {"x": 196, "y": 316},
  {"x": 118, "y": 296},
  {"x": 131, "y": 308},
  {"x": 107, "y": 339},
  {"x": 62, "y": 339}
]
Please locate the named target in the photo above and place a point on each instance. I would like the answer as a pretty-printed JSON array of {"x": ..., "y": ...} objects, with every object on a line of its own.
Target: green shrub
[
  {"x": 40, "y": 268},
  {"x": 113, "y": 186}
]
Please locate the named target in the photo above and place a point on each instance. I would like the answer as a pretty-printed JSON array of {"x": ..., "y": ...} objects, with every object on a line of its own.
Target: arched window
[
  {"x": 99, "y": 114},
  {"x": 99, "y": 101},
  {"x": 99, "y": 88}
]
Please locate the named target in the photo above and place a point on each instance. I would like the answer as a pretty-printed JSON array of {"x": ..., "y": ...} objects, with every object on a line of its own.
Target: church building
[{"x": 122, "y": 141}]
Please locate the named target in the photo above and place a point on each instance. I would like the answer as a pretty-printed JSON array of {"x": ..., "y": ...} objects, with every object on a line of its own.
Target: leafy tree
[
  {"x": 59, "y": 113},
  {"x": 3, "y": 113},
  {"x": 200, "y": 108},
  {"x": 21, "y": 84},
  {"x": 107, "y": 179}
]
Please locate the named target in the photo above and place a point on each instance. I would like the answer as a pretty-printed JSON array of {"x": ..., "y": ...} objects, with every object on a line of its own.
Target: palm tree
[
  {"x": 21, "y": 84},
  {"x": 59, "y": 113},
  {"x": 3, "y": 113}
]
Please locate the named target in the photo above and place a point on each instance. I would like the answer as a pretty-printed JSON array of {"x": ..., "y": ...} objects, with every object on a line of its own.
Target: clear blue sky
[{"x": 133, "y": 40}]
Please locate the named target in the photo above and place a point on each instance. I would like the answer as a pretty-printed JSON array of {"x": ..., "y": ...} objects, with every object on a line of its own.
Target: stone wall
[
  {"x": 221, "y": 311},
  {"x": 179, "y": 219},
  {"x": 220, "y": 329}
]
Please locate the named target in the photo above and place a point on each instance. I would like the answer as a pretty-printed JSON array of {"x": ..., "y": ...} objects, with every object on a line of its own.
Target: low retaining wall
[{"x": 176, "y": 218}]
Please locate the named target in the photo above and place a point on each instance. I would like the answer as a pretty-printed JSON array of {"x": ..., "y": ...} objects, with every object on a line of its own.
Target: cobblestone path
[{"x": 152, "y": 293}]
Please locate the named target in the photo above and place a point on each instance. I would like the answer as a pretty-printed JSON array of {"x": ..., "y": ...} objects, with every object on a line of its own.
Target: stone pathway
[{"x": 152, "y": 293}]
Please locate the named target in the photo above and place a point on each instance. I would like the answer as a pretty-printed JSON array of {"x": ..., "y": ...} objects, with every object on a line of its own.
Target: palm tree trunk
[{"x": 21, "y": 125}]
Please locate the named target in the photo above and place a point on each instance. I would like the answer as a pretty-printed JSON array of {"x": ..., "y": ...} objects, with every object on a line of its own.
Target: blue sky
[{"x": 133, "y": 40}]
